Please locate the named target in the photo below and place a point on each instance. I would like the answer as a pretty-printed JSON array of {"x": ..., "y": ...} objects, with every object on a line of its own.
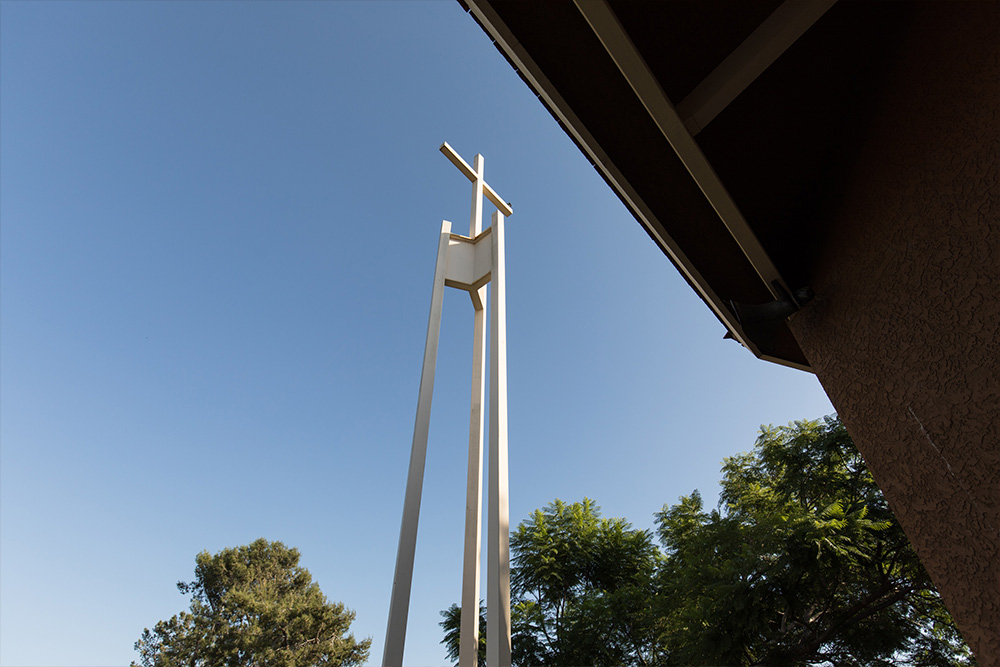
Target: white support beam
[
  {"x": 498, "y": 526},
  {"x": 771, "y": 38},
  {"x": 399, "y": 605},
  {"x": 468, "y": 652},
  {"x": 623, "y": 52}
]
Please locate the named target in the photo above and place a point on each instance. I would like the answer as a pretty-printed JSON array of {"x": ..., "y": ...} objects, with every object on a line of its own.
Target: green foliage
[
  {"x": 253, "y": 606},
  {"x": 801, "y": 564},
  {"x": 579, "y": 588},
  {"x": 452, "y": 625},
  {"x": 582, "y": 581},
  {"x": 804, "y": 563}
]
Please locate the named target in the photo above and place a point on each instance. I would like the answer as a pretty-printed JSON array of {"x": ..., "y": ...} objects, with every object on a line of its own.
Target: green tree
[
  {"x": 580, "y": 586},
  {"x": 803, "y": 563},
  {"x": 253, "y": 606},
  {"x": 452, "y": 625},
  {"x": 583, "y": 583}
]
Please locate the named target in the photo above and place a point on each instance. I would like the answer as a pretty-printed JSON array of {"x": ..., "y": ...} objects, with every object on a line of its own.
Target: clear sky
[{"x": 218, "y": 223}]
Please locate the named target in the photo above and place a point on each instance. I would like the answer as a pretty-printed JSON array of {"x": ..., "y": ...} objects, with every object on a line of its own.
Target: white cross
[{"x": 479, "y": 188}]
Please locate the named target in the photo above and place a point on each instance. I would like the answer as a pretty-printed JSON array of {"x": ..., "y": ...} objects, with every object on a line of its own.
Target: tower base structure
[{"x": 469, "y": 263}]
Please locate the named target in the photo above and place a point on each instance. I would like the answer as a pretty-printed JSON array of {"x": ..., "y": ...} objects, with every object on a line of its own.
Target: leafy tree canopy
[
  {"x": 801, "y": 564},
  {"x": 580, "y": 584},
  {"x": 452, "y": 625},
  {"x": 253, "y": 606}
]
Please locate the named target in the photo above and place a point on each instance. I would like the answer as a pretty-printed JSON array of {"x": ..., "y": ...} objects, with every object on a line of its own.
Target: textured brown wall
[{"x": 904, "y": 331}]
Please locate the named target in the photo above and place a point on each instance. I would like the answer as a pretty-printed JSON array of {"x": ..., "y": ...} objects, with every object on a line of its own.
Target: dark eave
[{"x": 741, "y": 205}]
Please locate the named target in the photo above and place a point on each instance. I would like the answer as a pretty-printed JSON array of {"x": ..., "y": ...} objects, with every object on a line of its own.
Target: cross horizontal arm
[{"x": 470, "y": 174}]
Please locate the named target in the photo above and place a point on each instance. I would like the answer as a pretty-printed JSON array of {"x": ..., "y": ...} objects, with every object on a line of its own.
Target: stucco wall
[{"x": 904, "y": 332}]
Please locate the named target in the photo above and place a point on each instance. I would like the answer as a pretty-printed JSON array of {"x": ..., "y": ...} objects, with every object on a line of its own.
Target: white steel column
[
  {"x": 498, "y": 561},
  {"x": 469, "y": 628},
  {"x": 399, "y": 605}
]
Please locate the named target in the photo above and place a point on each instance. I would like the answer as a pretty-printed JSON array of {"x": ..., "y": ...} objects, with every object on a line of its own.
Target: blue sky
[{"x": 218, "y": 223}]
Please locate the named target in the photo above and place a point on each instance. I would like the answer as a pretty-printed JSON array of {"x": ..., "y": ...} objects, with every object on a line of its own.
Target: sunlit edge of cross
[{"x": 470, "y": 173}]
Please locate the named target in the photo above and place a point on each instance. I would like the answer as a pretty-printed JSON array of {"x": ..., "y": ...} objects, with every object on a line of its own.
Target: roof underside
[{"x": 780, "y": 151}]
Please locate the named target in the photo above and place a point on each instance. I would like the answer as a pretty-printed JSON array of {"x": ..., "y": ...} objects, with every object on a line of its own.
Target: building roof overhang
[{"x": 727, "y": 128}]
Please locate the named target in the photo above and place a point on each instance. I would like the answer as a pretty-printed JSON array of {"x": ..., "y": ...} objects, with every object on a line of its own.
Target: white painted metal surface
[
  {"x": 498, "y": 559},
  {"x": 469, "y": 627},
  {"x": 467, "y": 263},
  {"x": 399, "y": 604}
]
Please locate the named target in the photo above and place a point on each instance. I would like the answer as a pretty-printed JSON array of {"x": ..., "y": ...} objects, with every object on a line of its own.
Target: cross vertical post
[{"x": 469, "y": 629}]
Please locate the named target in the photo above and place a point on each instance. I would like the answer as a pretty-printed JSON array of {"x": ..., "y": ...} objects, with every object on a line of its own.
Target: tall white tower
[{"x": 468, "y": 263}]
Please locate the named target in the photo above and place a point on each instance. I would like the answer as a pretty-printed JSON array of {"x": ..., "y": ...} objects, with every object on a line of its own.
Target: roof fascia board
[
  {"x": 749, "y": 60},
  {"x": 785, "y": 362},
  {"x": 487, "y": 17},
  {"x": 616, "y": 42}
]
